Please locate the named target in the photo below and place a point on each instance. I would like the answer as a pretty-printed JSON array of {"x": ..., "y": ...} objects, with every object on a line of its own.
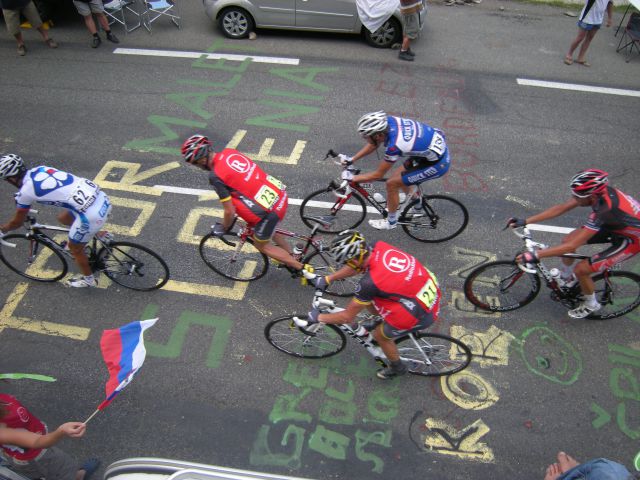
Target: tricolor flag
[{"x": 123, "y": 352}]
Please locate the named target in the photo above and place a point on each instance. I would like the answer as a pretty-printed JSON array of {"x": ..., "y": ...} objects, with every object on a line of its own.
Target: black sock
[{"x": 108, "y": 33}]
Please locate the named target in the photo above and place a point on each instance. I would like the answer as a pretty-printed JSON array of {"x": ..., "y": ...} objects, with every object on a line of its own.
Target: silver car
[{"x": 238, "y": 18}]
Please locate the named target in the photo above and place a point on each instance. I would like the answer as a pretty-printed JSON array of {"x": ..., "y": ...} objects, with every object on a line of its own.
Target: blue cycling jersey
[{"x": 408, "y": 138}]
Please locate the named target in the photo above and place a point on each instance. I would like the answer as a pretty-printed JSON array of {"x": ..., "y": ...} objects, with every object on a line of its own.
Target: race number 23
[
  {"x": 266, "y": 197},
  {"x": 429, "y": 293}
]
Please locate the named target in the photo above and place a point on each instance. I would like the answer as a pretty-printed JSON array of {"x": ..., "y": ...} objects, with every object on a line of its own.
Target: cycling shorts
[
  {"x": 390, "y": 331},
  {"x": 262, "y": 221},
  {"x": 622, "y": 248},
  {"x": 88, "y": 223},
  {"x": 436, "y": 170}
]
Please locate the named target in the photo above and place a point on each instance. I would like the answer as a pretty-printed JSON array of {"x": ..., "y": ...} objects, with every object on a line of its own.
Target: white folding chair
[
  {"x": 155, "y": 9},
  {"x": 116, "y": 12}
]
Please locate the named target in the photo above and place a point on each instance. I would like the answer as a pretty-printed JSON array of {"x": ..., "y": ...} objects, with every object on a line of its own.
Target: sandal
[
  {"x": 584, "y": 63},
  {"x": 568, "y": 61},
  {"x": 90, "y": 467}
]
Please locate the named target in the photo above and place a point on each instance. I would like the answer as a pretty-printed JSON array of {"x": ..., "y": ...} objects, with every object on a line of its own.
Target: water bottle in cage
[{"x": 298, "y": 248}]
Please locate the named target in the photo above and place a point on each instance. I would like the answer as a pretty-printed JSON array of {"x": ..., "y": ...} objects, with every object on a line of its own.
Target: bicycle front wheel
[
  {"x": 133, "y": 266},
  {"x": 233, "y": 258},
  {"x": 324, "y": 264},
  {"x": 441, "y": 218},
  {"x": 33, "y": 259},
  {"x": 347, "y": 212},
  {"x": 287, "y": 337},
  {"x": 501, "y": 286},
  {"x": 621, "y": 296},
  {"x": 433, "y": 354}
]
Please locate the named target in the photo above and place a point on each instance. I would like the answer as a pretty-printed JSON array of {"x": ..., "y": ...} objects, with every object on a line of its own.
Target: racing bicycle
[
  {"x": 505, "y": 285},
  {"x": 37, "y": 256},
  {"x": 428, "y": 354},
  {"x": 426, "y": 218},
  {"x": 234, "y": 256}
]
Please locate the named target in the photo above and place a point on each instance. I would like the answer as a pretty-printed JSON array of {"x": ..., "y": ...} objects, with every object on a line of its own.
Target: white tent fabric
[{"x": 373, "y": 13}]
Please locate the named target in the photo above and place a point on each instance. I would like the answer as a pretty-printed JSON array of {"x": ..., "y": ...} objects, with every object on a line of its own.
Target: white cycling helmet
[
  {"x": 10, "y": 165},
  {"x": 347, "y": 246},
  {"x": 372, "y": 123}
]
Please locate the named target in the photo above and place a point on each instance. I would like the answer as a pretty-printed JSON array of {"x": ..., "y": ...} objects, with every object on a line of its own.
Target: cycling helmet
[
  {"x": 589, "y": 182},
  {"x": 10, "y": 165},
  {"x": 347, "y": 246},
  {"x": 372, "y": 123},
  {"x": 195, "y": 147}
]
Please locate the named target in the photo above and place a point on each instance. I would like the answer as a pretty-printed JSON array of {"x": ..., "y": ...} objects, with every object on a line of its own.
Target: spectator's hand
[
  {"x": 347, "y": 175},
  {"x": 73, "y": 429},
  {"x": 514, "y": 222},
  {"x": 345, "y": 160},
  {"x": 218, "y": 229},
  {"x": 320, "y": 282}
]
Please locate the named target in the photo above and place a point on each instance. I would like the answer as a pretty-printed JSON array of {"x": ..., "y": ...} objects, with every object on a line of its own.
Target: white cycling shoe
[
  {"x": 81, "y": 282},
  {"x": 584, "y": 310},
  {"x": 382, "y": 224}
]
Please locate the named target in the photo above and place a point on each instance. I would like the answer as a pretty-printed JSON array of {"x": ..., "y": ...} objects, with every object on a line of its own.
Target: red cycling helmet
[
  {"x": 589, "y": 182},
  {"x": 195, "y": 147}
]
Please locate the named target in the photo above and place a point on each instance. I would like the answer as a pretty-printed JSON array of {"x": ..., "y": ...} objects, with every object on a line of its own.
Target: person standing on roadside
[
  {"x": 89, "y": 8},
  {"x": 590, "y": 21},
  {"x": 11, "y": 10},
  {"x": 410, "y": 10}
]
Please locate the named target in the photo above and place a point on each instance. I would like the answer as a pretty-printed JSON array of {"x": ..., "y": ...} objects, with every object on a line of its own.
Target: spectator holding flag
[{"x": 29, "y": 449}]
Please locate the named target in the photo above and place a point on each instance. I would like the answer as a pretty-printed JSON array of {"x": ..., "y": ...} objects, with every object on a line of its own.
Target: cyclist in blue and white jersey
[
  {"x": 422, "y": 147},
  {"x": 86, "y": 206}
]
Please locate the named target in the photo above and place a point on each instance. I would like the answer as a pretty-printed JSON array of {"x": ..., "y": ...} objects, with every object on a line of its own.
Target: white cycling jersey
[{"x": 51, "y": 186}]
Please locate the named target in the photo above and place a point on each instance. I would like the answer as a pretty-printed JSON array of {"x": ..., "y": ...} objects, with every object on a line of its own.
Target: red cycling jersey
[
  {"x": 616, "y": 215},
  {"x": 402, "y": 290},
  {"x": 254, "y": 194},
  {"x": 19, "y": 417}
]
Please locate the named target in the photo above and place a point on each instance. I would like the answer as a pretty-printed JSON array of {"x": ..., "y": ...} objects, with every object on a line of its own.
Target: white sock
[
  {"x": 393, "y": 218},
  {"x": 590, "y": 299}
]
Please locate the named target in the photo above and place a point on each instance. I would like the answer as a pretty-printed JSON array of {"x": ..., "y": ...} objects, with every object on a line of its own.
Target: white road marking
[
  {"x": 549, "y": 228},
  {"x": 210, "y": 56},
  {"x": 292, "y": 201},
  {"x": 577, "y": 87}
]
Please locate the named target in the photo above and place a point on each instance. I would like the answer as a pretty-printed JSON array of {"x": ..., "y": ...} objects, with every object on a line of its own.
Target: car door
[
  {"x": 275, "y": 13},
  {"x": 326, "y": 14}
]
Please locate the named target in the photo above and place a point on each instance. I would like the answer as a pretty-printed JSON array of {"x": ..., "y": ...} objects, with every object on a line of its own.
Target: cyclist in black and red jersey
[
  {"x": 615, "y": 219},
  {"x": 246, "y": 190},
  {"x": 395, "y": 286}
]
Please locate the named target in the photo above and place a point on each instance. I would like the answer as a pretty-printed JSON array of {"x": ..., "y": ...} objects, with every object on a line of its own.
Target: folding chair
[
  {"x": 116, "y": 11},
  {"x": 155, "y": 9},
  {"x": 632, "y": 34}
]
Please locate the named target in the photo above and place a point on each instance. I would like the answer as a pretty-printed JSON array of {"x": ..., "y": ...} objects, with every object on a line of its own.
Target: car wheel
[
  {"x": 235, "y": 22},
  {"x": 388, "y": 34}
]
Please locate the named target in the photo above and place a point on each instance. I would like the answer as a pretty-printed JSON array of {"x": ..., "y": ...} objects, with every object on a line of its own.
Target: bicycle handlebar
[{"x": 530, "y": 246}]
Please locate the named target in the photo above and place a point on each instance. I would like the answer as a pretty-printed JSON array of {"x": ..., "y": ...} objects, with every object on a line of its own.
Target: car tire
[
  {"x": 388, "y": 34},
  {"x": 235, "y": 22}
]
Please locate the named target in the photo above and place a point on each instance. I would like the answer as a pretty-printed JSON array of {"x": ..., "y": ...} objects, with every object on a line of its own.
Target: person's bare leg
[
  {"x": 585, "y": 45},
  {"x": 581, "y": 34}
]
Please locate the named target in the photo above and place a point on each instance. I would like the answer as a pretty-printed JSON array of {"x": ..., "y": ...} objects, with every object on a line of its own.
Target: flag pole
[{"x": 92, "y": 415}]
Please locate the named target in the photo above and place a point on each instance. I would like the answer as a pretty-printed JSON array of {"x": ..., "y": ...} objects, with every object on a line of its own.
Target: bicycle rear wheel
[
  {"x": 441, "y": 218},
  {"x": 501, "y": 286},
  {"x": 324, "y": 264},
  {"x": 33, "y": 259},
  {"x": 287, "y": 337},
  {"x": 348, "y": 213},
  {"x": 233, "y": 258},
  {"x": 444, "y": 355},
  {"x": 622, "y": 296},
  {"x": 133, "y": 266}
]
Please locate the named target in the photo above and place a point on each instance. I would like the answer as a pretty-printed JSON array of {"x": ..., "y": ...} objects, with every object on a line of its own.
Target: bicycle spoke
[
  {"x": 133, "y": 266},
  {"x": 284, "y": 335},
  {"x": 434, "y": 354},
  {"x": 33, "y": 259},
  {"x": 621, "y": 296}
]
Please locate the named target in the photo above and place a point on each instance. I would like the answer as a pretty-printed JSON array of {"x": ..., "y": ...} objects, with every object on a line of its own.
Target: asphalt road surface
[{"x": 212, "y": 389}]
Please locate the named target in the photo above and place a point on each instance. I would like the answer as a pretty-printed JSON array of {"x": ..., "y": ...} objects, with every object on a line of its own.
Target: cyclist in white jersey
[
  {"x": 423, "y": 148},
  {"x": 86, "y": 206}
]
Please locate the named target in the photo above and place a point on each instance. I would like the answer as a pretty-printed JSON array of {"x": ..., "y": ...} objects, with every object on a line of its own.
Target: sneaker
[
  {"x": 406, "y": 56},
  {"x": 411, "y": 52},
  {"x": 95, "y": 42},
  {"x": 81, "y": 282},
  {"x": 22, "y": 50},
  {"x": 51, "y": 43},
  {"x": 382, "y": 224},
  {"x": 390, "y": 372},
  {"x": 584, "y": 310},
  {"x": 112, "y": 37},
  {"x": 105, "y": 237}
]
